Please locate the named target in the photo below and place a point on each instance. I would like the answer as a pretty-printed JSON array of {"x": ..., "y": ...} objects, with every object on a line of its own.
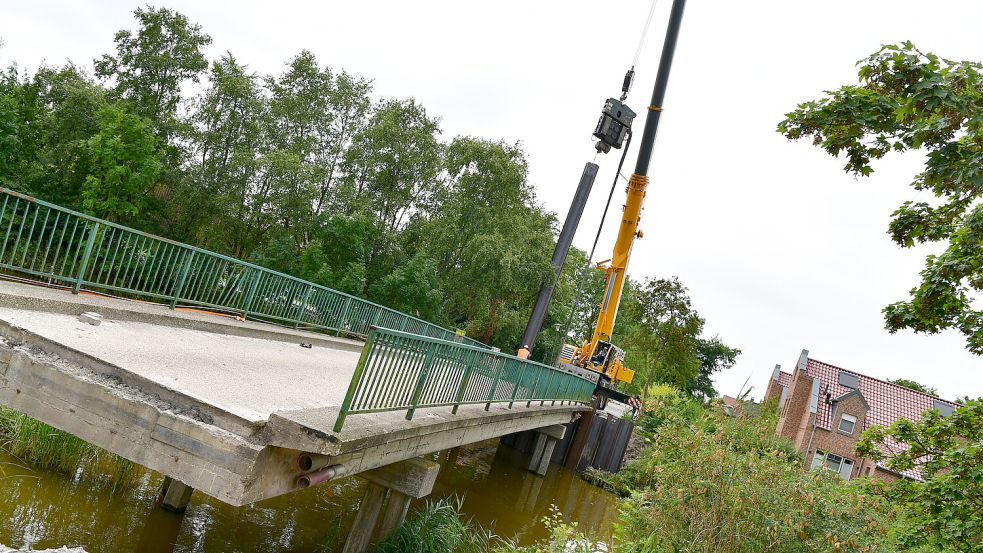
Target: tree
[
  {"x": 661, "y": 335},
  {"x": 910, "y": 100},
  {"x": 9, "y": 122},
  {"x": 52, "y": 115},
  {"x": 714, "y": 356},
  {"x": 393, "y": 164},
  {"x": 912, "y": 385},
  {"x": 226, "y": 142},
  {"x": 945, "y": 507},
  {"x": 491, "y": 241},
  {"x": 125, "y": 165},
  {"x": 150, "y": 66}
]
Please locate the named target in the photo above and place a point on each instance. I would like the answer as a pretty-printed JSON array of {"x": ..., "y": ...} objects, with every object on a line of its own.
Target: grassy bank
[{"x": 40, "y": 446}]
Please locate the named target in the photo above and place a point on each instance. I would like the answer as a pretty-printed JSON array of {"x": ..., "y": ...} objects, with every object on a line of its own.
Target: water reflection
[{"x": 46, "y": 509}]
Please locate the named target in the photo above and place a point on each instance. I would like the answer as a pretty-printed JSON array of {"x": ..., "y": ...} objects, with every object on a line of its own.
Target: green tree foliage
[
  {"x": 125, "y": 165},
  {"x": 912, "y": 385},
  {"x": 727, "y": 484},
  {"x": 945, "y": 508},
  {"x": 54, "y": 114},
  {"x": 662, "y": 336},
  {"x": 910, "y": 100},
  {"x": 225, "y": 132},
  {"x": 393, "y": 164},
  {"x": 150, "y": 66}
]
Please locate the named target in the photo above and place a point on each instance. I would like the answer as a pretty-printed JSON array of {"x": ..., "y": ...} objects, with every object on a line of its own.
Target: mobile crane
[{"x": 599, "y": 357}]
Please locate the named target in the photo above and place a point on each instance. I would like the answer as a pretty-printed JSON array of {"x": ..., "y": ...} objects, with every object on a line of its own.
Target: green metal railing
[
  {"x": 401, "y": 371},
  {"x": 48, "y": 241}
]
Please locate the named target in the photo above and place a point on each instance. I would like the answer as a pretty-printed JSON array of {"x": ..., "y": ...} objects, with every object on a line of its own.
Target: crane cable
[{"x": 624, "y": 95}]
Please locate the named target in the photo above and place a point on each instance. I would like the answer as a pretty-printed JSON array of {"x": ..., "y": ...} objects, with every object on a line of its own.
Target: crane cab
[{"x": 605, "y": 360}]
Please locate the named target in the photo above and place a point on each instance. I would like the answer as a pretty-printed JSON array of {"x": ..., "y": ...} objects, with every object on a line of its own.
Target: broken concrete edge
[
  {"x": 31, "y": 343},
  {"x": 126, "y": 422},
  {"x": 160, "y": 314}
]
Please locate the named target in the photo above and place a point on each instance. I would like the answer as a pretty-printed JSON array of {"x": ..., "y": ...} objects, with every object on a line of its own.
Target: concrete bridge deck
[{"x": 224, "y": 406}]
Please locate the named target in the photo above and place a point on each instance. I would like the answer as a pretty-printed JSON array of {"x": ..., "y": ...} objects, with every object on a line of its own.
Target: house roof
[
  {"x": 887, "y": 402},
  {"x": 785, "y": 379}
]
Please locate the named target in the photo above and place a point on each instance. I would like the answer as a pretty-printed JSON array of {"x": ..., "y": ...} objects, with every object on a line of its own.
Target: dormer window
[{"x": 848, "y": 423}]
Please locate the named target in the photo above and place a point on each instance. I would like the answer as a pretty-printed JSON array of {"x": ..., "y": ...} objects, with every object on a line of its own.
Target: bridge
[{"x": 241, "y": 382}]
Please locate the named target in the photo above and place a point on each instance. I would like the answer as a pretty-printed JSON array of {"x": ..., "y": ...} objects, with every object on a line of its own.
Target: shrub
[
  {"x": 726, "y": 484},
  {"x": 664, "y": 404}
]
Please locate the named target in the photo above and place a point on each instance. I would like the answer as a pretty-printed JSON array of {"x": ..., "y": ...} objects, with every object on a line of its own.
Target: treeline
[{"x": 303, "y": 172}]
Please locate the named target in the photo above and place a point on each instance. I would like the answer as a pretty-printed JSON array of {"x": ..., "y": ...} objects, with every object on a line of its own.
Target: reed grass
[
  {"x": 44, "y": 447},
  {"x": 440, "y": 527}
]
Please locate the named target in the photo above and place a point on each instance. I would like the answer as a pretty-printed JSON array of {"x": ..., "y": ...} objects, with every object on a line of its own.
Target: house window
[
  {"x": 841, "y": 465},
  {"x": 848, "y": 423}
]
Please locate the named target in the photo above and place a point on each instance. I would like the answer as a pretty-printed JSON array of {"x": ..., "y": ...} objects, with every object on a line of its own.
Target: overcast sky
[{"x": 780, "y": 249}]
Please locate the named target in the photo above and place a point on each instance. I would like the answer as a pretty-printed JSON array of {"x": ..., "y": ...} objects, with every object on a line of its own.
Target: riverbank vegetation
[
  {"x": 39, "y": 446},
  {"x": 716, "y": 482}
]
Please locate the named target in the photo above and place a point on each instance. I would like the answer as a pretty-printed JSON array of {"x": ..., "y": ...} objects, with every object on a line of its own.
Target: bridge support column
[
  {"x": 175, "y": 495},
  {"x": 401, "y": 482},
  {"x": 546, "y": 440}
]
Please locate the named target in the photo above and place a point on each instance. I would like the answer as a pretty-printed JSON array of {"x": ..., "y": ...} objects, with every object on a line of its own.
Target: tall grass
[
  {"x": 44, "y": 447},
  {"x": 441, "y": 528}
]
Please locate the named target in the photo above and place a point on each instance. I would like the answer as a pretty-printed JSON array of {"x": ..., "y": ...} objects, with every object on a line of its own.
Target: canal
[{"x": 44, "y": 509}]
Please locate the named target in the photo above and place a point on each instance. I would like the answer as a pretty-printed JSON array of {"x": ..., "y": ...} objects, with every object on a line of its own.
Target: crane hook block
[{"x": 612, "y": 127}]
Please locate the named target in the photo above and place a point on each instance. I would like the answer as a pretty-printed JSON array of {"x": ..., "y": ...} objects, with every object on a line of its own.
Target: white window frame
[
  {"x": 836, "y": 463},
  {"x": 846, "y": 417}
]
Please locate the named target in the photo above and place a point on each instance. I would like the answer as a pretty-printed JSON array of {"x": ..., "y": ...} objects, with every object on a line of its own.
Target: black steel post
[
  {"x": 559, "y": 255},
  {"x": 659, "y": 93}
]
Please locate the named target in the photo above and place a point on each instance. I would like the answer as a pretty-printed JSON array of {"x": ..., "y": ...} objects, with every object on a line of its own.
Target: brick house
[{"x": 824, "y": 409}]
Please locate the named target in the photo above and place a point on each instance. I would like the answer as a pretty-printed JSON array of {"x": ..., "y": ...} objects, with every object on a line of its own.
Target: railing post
[
  {"x": 85, "y": 257},
  {"x": 346, "y": 405},
  {"x": 535, "y": 386},
  {"x": 494, "y": 386},
  {"x": 472, "y": 361},
  {"x": 516, "y": 385},
  {"x": 302, "y": 306},
  {"x": 377, "y": 316},
  {"x": 421, "y": 381},
  {"x": 248, "y": 302},
  {"x": 344, "y": 313},
  {"x": 402, "y": 325},
  {"x": 183, "y": 276},
  {"x": 549, "y": 387}
]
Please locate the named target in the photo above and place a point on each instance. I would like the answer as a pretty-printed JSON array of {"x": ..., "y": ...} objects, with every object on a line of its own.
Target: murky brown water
[{"x": 47, "y": 509}]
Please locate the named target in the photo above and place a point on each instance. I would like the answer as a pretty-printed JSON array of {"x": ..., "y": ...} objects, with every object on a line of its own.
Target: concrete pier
[
  {"x": 175, "y": 495},
  {"x": 400, "y": 482},
  {"x": 221, "y": 406},
  {"x": 546, "y": 440}
]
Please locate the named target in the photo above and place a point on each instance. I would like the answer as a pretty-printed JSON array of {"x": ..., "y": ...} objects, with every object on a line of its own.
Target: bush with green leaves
[
  {"x": 727, "y": 484},
  {"x": 665, "y": 404},
  {"x": 945, "y": 507}
]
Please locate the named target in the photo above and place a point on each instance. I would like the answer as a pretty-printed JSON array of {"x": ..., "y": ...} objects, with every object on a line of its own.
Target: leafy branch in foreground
[
  {"x": 910, "y": 100},
  {"x": 946, "y": 507}
]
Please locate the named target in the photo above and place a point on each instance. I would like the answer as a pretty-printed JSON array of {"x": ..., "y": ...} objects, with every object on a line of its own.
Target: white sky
[{"x": 781, "y": 250}]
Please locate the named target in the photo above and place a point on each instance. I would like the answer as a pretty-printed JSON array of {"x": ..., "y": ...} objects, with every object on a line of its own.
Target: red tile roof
[
  {"x": 888, "y": 402},
  {"x": 785, "y": 379}
]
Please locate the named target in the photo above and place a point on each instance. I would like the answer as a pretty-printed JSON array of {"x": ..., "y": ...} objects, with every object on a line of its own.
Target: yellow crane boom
[{"x": 599, "y": 354}]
